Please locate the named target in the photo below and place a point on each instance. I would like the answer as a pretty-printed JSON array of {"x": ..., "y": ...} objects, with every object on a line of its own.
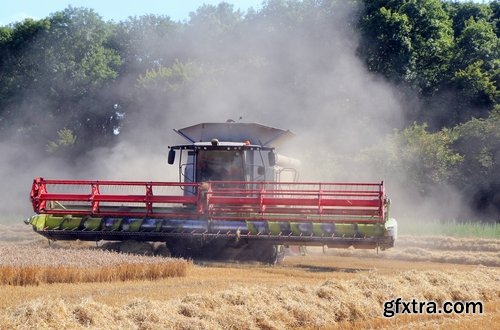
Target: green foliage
[
  {"x": 76, "y": 48},
  {"x": 460, "y": 13},
  {"x": 477, "y": 42},
  {"x": 216, "y": 19},
  {"x": 495, "y": 17},
  {"x": 466, "y": 157},
  {"x": 479, "y": 142},
  {"x": 391, "y": 51},
  {"x": 415, "y": 156},
  {"x": 447, "y": 52},
  {"x": 66, "y": 139},
  {"x": 144, "y": 42},
  {"x": 168, "y": 79},
  {"x": 432, "y": 39},
  {"x": 5, "y": 34},
  {"x": 409, "y": 40},
  {"x": 57, "y": 68},
  {"x": 424, "y": 159},
  {"x": 427, "y": 157},
  {"x": 477, "y": 65},
  {"x": 477, "y": 86}
]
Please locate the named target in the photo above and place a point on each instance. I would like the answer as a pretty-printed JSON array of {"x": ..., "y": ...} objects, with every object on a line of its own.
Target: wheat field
[
  {"x": 442, "y": 249},
  {"x": 32, "y": 265},
  {"x": 342, "y": 289},
  {"x": 332, "y": 302}
]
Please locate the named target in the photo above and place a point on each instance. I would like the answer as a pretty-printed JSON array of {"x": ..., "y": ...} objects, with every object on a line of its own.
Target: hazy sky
[{"x": 17, "y": 10}]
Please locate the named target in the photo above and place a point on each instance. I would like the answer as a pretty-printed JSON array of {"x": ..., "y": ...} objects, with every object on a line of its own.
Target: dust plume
[{"x": 305, "y": 77}]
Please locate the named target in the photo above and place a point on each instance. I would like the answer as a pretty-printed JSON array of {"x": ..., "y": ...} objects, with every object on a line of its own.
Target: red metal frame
[
  {"x": 305, "y": 201},
  {"x": 229, "y": 200},
  {"x": 91, "y": 203}
]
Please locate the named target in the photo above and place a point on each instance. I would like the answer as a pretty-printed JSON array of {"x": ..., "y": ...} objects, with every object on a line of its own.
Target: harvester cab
[
  {"x": 228, "y": 152},
  {"x": 231, "y": 202},
  {"x": 223, "y": 161}
]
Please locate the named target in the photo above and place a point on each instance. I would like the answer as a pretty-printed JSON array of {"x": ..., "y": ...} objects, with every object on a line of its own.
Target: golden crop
[
  {"x": 257, "y": 306},
  {"x": 32, "y": 265}
]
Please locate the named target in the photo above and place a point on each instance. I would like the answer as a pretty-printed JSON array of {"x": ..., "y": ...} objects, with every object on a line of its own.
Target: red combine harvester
[{"x": 230, "y": 202}]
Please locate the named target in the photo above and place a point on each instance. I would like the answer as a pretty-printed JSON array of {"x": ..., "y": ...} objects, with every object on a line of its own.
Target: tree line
[{"x": 71, "y": 82}]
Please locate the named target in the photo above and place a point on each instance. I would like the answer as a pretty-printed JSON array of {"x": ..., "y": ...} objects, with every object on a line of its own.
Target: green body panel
[
  {"x": 38, "y": 221},
  {"x": 53, "y": 222},
  {"x": 318, "y": 229},
  {"x": 252, "y": 228},
  {"x": 47, "y": 221},
  {"x": 92, "y": 223},
  {"x": 132, "y": 225},
  {"x": 295, "y": 228},
  {"x": 345, "y": 229},
  {"x": 71, "y": 223},
  {"x": 371, "y": 230},
  {"x": 274, "y": 228}
]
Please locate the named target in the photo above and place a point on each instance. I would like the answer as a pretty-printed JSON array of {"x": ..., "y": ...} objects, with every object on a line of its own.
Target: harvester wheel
[
  {"x": 267, "y": 252},
  {"x": 278, "y": 254},
  {"x": 179, "y": 249}
]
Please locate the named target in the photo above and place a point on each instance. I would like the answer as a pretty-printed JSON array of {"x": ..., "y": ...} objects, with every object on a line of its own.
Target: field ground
[{"x": 337, "y": 289}]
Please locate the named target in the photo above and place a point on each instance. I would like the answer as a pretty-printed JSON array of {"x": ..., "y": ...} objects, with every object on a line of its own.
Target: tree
[
  {"x": 416, "y": 157},
  {"x": 167, "y": 79},
  {"x": 388, "y": 45},
  {"x": 495, "y": 17},
  {"x": 413, "y": 39},
  {"x": 477, "y": 42},
  {"x": 479, "y": 173},
  {"x": 432, "y": 39},
  {"x": 477, "y": 69},
  {"x": 57, "y": 71},
  {"x": 216, "y": 20},
  {"x": 477, "y": 88},
  {"x": 460, "y": 12},
  {"x": 210, "y": 29},
  {"x": 426, "y": 157},
  {"x": 65, "y": 139},
  {"x": 145, "y": 42},
  {"x": 19, "y": 70}
]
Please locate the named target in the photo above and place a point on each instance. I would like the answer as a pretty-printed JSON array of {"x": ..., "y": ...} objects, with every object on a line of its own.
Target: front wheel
[
  {"x": 278, "y": 255},
  {"x": 268, "y": 253}
]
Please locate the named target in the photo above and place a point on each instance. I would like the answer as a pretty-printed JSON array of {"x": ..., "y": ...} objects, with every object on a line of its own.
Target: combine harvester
[{"x": 230, "y": 202}]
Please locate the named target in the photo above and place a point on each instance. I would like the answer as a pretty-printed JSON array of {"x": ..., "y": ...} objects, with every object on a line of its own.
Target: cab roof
[
  {"x": 256, "y": 134},
  {"x": 220, "y": 146}
]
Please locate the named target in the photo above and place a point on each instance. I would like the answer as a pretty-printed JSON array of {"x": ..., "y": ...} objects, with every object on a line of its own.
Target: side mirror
[
  {"x": 272, "y": 158},
  {"x": 171, "y": 156}
]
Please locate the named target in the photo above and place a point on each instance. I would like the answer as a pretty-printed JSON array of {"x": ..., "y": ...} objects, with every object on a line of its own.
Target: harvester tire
[
  {"x": 267, "y": 252},
  {"x": 278, "y": 255},
  {"x": 179, "y": 248}
]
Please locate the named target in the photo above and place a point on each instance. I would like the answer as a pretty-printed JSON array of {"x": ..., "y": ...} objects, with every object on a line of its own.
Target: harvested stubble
[
  {"x": 32, "y": 265},
  {"x": 441, "y": 249},
  {"x": 450, "y": 243},
  {"x": 17, "y": 233},
  {"x": 263, "y": 307}
]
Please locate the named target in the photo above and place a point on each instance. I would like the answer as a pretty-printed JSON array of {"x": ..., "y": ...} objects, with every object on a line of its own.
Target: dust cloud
[{"x": 306, "y": 78}]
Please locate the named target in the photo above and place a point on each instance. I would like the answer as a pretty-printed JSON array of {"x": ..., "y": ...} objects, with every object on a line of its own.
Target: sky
[
  {"x": 118, "y": 10},
  {"x": 17, "y": 10}
]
